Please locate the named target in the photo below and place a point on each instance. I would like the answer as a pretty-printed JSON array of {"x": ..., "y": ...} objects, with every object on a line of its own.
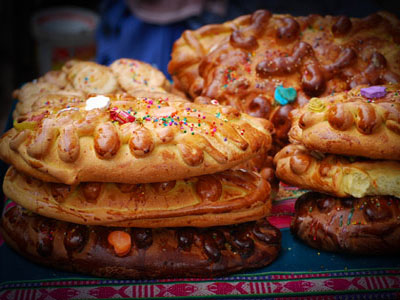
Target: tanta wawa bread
[
  {"x": 368, "y": 225},
  {"x": 138, "y": 253},
  {"x": 354, "y": 123},
  {"x": 80, "y": 78},
  {"x": 229, "y": 197},
  {"x": 337, "y": 175},
  {"x": 141, "y": 141},
  {"x": 266, "y": 64}
]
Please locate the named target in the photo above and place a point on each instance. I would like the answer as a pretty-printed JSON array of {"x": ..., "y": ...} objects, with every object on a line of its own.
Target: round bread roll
[
  {"x": 267, "y": 64},
  {"x": 225, "y": 198},
  {"x": 29, "y": 93},
  {"x": 139, "y": 253},
  {"x": 349, "y": 123},
  {"x": 337, "y": 175},
  {"x": 133, "y": 75},
  {"x": 137, "y": 140},
  {"x": 368, "y": 225},
  {"x": 90, "y": 77}
]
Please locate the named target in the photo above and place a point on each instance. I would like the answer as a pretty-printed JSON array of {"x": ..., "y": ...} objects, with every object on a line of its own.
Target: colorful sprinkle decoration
[
  {"x": 284, "y": 95},
  {"x": 121, "y": 116},
  {"x": 373, "y": 92}
]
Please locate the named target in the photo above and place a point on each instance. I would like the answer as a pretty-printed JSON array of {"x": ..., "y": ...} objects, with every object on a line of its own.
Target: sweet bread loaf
[
  {"x": 229, "y": 197},
  {"x": 80, "y": 78},
  {"x": 141, "y": 141},
  {"x": 337, "y": 175},
  {"x": 368, "y": 225},
  {"x": 349, "y": 123},
  {"x": 267, "y": 64},
  {"x": 140, "y": 253}
]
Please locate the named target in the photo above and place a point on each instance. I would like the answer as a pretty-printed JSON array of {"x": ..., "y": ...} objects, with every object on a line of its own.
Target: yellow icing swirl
[{"x": 316, "y": 105}]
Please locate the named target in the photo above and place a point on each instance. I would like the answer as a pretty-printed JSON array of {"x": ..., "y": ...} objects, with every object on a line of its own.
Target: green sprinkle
[
  {"x": 350, "y": 216},
  {"x": 341, "y": 221},
  {"x": 310, "y": 209}
]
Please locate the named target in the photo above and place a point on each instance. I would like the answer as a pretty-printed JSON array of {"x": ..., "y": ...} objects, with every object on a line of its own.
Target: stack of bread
[
  {"x": 135, "y": 186},
  {"x": 346, "y": 148}
]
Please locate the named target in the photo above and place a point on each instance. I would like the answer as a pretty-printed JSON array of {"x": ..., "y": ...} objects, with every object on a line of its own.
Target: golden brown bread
[
  {"x": 368, "y": 225},
  {"x": 243, "y": 61},
  {"x": 225, "y": 198},
  {"x": 337, "y": 175},
  {"x": 349, "y": 124},
  {"x": 80, "y": 78},
  {"x": 133, "y": 75},
  {"x": 137, "y": 141},
  {"x": 149, "y": 253}
]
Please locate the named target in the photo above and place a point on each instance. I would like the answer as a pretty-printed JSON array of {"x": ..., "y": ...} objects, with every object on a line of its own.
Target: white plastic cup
[{"x": 64, "y": 33}]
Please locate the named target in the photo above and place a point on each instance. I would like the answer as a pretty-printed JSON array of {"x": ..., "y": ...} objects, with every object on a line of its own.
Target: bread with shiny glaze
[
  {"x": 141, "y": 141},
  {"x": 229, "y": 197},
  {"x": 149, "y": 253},
  {"x": 350, "y": 124},
  {"x": 241, "y": 62},
  {"x": 337, "y": 175},
  {"x": 368, "y": 225}
]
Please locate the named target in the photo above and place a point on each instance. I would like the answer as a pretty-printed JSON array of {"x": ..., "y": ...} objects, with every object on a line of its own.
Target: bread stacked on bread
[
  {"x": 346, "y": 148},
  {"x": 138, "y": 187},
  {"x": 267, "y": 64}
]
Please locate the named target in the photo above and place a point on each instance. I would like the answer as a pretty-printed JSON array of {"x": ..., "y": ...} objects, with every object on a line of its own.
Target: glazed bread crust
[
  {"x": 230, "y": 197},
  {"x": 137, "y": 141},
  {"x": 151, "y": 253},
  {"x": 243, "y": 61},
  {"x": 337, "y": 175},
  {"x": 368, "y": 225},
  {"x": 349, "y": 124}
]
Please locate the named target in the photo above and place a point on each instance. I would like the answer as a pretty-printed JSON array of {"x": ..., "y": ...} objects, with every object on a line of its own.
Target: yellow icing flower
[{"x": 316, "y": 105}]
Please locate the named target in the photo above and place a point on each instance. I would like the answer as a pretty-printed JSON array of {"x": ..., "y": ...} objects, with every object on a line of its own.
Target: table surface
[{"x": 299, "y": 271}]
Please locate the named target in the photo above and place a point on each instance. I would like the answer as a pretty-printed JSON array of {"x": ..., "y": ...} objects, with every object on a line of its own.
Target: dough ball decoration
[
  {"x": 367, "y": 225},
  {"x": 170, "y": 252},
  {"x": 79, "y": 79},
  {"x": 199, "y": 132},
  {"x": 345, "y": 123},
  {"x": 246, "y": 61}
]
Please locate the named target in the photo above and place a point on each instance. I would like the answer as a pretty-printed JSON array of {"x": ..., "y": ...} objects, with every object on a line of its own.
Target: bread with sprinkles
[
  {"x": 139, "y": 140},
  {"x": 358, "y": 122},
  {"x": 267, "y": 64}
]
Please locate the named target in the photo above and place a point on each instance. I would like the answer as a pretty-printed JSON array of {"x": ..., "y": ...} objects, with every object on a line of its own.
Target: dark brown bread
[
  {"x": 368, "y": 225},
  {"x": 152, "y": 253}
]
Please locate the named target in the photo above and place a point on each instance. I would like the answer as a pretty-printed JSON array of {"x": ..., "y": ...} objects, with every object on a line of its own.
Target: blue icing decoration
[{"x": 284, "y": 95}]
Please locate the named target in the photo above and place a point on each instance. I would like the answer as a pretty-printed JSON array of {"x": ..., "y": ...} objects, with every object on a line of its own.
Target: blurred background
[{"x": 140, "y": 29}]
